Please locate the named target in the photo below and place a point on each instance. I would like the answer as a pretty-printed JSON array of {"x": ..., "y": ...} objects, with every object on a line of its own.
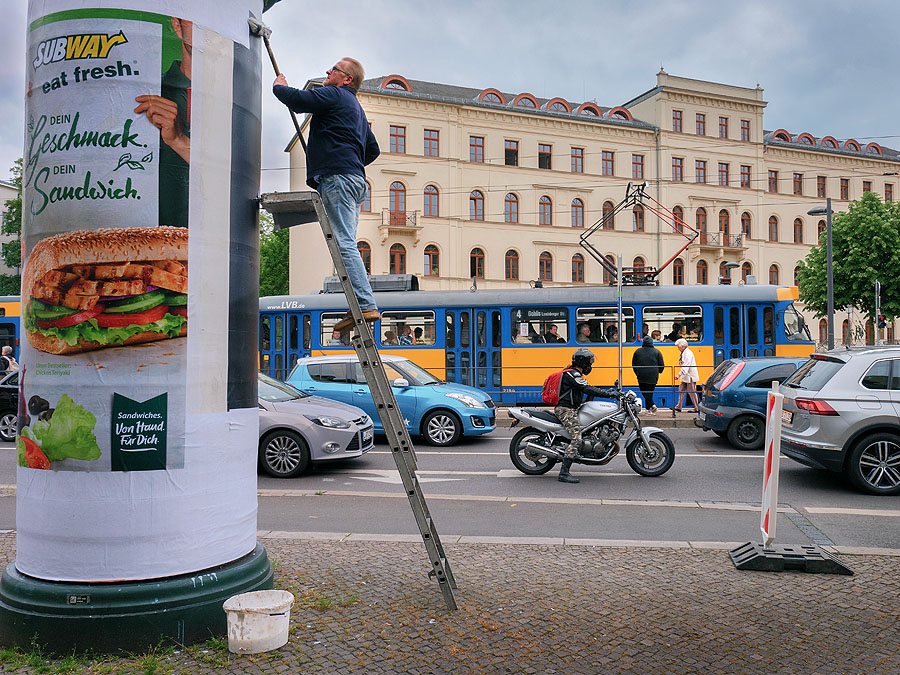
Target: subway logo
[{"x": 69, "y": 47}]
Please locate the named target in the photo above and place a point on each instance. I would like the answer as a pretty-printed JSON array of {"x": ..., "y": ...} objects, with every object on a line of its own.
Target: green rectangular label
[{"x": 139, "y": 433}]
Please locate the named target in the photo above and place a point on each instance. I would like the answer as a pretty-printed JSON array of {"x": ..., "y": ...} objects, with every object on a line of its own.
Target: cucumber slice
[
  {"x": 136, "y": 303},
  {"x": 176, "y": 300},
  {"x": 45, "y": 312}
]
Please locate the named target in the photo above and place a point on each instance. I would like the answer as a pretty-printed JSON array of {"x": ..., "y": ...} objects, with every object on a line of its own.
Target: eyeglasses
[{"x": 328, "y": 72}]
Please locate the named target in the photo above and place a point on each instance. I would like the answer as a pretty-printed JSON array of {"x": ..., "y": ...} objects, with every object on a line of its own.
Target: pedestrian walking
[
  {"x": 687, "y": 376},
  {"x": 647, "y": 364}
]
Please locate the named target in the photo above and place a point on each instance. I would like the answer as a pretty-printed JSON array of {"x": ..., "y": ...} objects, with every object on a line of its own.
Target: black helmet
[{"x": 583, "y": 359}]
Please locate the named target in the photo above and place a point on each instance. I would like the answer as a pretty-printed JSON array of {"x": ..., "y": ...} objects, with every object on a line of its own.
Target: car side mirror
[{"x": 400, "y": 382}]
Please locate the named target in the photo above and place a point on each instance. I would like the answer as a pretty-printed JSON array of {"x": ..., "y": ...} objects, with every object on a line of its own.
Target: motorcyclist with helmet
[{"x": 572, "y": 389}]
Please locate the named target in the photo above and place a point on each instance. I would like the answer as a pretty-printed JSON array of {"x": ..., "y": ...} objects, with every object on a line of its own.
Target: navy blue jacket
[{"x": 340, "y": 140}]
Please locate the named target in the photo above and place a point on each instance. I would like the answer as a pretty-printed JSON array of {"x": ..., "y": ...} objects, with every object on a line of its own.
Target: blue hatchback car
[
  {"x": 440, "y": 411},
  {"x": 734, "y": 398}
]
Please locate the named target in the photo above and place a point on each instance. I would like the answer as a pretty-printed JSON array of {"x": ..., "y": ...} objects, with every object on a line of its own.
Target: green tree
[
  {"x": 865, "y": 249},
  {"x": 11, "y": 252},
  {"x": 273, "y": 257}
]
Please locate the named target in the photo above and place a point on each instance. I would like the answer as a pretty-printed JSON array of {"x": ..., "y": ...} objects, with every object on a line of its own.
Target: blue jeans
[{"x": 342, "y": 195}]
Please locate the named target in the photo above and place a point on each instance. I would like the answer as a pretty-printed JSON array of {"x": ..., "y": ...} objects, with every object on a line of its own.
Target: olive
[
  {"x": 46, "y": 414},
  {"x": 36, "y": 405}
]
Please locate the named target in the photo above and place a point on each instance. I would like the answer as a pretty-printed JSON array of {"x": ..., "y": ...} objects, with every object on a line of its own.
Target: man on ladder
[{"x": 340, "y": 145}]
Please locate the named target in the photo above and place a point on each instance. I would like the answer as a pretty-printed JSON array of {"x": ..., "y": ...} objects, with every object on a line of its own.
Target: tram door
[
  {"x": 472, "y": 349},
  {"x": 743, "y": 330},
  {"x": 284, "y": 337}
]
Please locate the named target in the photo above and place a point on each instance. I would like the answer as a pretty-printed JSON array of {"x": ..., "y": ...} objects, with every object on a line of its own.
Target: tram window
[
  {"x": 279, "y": 333},
  {"x": 412, "y": 328},
  {"x": 719, "y": 327},
  {"x": 480, "y": 335},
  {"x": 307, "y": 331},
  {"x": 752, "y": 326},
  {"x": 496, "y": 366},
  {"x": 450, "y": 362},
  {"x": 279, "y": 366},
  {"x": 328, "y": 372},
  {"x": 603, "y": 324},
  {"x": 293, "y": 362},
  {"x": 794, "y": 326},
  {"x": 768, "y": 325},
  {"x": 331, "y": 337},
  {"x": 464, "y": 367},
  {"x": 674, "y": 322},
  {"x": 464, "y": 332},
  {"x": 482, "y": 370},
  {"x": 265, "y": 334},
  {"x": 734, "y": 321},
  {"x": 495, "y": 329},
  {"x": 539, "y": 325},
  {"x": 450, "y": 333},
  {"x": 264, "y": 363},
  {"x": 293, "y": 333}
]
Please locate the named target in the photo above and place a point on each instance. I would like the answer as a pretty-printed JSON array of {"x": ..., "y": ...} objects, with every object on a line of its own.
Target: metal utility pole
[
  {"x": 877, "y": 321},
  {"x": 829, "y": 273}
]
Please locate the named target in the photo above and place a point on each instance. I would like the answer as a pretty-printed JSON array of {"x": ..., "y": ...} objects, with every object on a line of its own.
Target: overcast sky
[{"x": 827, "y": 67}]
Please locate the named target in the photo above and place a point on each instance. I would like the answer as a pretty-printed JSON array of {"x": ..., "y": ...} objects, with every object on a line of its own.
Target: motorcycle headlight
[
  {"x": 330, "y": 422},
  {"x": 466, "y": 400}
]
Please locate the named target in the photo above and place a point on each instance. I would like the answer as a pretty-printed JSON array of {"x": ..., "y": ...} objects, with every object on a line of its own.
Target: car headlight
[
  {"x": 466, "y": 400},
  {"x": 330, "y": 422}
]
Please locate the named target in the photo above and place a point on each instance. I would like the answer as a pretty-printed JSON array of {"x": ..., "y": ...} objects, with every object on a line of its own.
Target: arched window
[
  {"x": 798, "y": 231},
  {"x": 432, "y": 261},
  {"x": 773, "y": 275},
  {"x": 773, "y": 228},
  {"x": 829, "y": 142},
  {"x": 545, "y": 211},
  {"x": 577, "y": 269},
  {"x": 852, "y": 145},
  {"x": 476, "y": 263},
  {"x": 822, "y": 227},
  {"x": 367, "y": 200},
  {"x": 365, "y": 252},
  {"x": 545, "y": 271},
  {"x": 397, "y": 204},
  {"x": 823, "y": 331},
  {"x": 397, "y": 259},
  {"x": 511, "y": 265},
  {"x": 678, "y": 212},
  {"x": 589, "y": 109},
  {"x": 577, "y": 213},
  {"x": 702, "y": 272},
  {"x": 525, "y": 101},
  {"x": 511, "y": 208},
  {"x": 609, "y": 220},
  {"x": 638, "y": 218},
  {"x": 607, "y": 277},
  {"x": 701, "y": 225},
  {"x": 724, "y": 222},
  {"x": 746, "y": 224},
  {"x": 845, "y": 331},
  {"x": 723, "y": 271},
  {"x": 476, "y": 205},
  {"x": 491, "y": 97},
  {"x": 678, "y": 272},
  {"x": 797, "y": 276},
  {"x": 431, "y": 200},
  {"x": 746, "y": 271},
  {"x": 638, "y": 264}
]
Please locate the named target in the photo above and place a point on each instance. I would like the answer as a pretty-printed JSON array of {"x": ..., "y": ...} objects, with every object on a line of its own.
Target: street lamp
[{"x": 826, "y": 211}]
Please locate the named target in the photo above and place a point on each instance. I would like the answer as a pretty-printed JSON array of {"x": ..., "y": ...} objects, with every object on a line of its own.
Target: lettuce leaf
[
  {"x": 91, "y": 332},
  {"x": 68, "y": 433}
]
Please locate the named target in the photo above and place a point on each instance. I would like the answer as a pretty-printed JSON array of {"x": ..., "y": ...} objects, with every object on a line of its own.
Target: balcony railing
[
  {"x": 721, "y": 239},
  {"x": 398, "y": 218}
]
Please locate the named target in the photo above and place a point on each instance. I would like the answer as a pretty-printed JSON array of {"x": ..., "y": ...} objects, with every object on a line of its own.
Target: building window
[
  {"x": 431, "y": 143},
  {"x": 745, "y": 176},
  {"x": 676, "y": 120},
  {"x": 397, "y": 259},
  {"x": 545, "y": 272},
  {"x": 773, "y": 275},
  {"x": 511, "y": 208},
  {"x": 577, "y": 213},
  {"x": 867, "y": 186},
  {"x": 701, "y": 223},
  {"x": 797, "y": 276},
  {"x": 724, "y": 272},
  {"x": 888, "y": 192},
  {"x": 476, "y": 205},
  {"x": 638, "y": 264},
  {"x": 745, "y": 130},
  {"x": 745, "y": 225},
  {"x": 678, "y": 169},
  {"x": 607, "y": 167},
  {"x": 545, "y": 211},
  {"x": 577, "y": 160},
  {"x": 397, "y": 203},
  {"x": 820, "y": 229},
  {"x": 607, "y": 277},
  {"x": 823, "y": 331},
  {"x": 609, "y": 219},
  {"x": 476, "y": 263},
  {"x": 367, "y": 200},
  {"x": 746, "y": 271},
  {"x": 558, "y": 106},
  {"x": 476, "y": 148},
  {"x": 773, "y": 181},
  {"x": 431, "y": 200},
  {"x": 544, "y": 156},
  {"x": 701, "y": 124},
  {"x": 638, "y": 218},
  {"x": 724, "y": 222},
  {"x": 845, "y": 332},
  {"x": 577, "y": 269},
  {"x": 723, "y": 173},
  {"x": 773, "y": 228},
  {"x": 702, "y": 273},
  {"x": 678, "y": 272},
  {"x": 798, "y": 231},
  {"x": 637, "y": 167},
  {"x": 845, "y": 189},
  {"x": 365, "y": 252},
  {"x": 398, "y": 139},
  {"x": 798, "y": 183},
  {"x": 511, "y": 265},
  {"x": 432, "y": 261},
  {"x": 723, "y": 127},
  {"x": 511, "y": 153},
  {"x": 820, "y": 186},
  {"x": 700, "y": 170},
  {"x": 678, "y": 212}
]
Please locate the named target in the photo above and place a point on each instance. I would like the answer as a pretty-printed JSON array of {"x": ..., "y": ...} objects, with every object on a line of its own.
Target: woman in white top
[{"x": 687, "y": 377}]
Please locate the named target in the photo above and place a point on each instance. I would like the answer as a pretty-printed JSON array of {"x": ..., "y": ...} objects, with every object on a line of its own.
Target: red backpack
[{"x": 550, "y": 392}]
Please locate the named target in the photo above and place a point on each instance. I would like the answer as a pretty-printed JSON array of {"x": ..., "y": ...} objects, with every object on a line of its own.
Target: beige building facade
[{"x": 501, "y": 186}]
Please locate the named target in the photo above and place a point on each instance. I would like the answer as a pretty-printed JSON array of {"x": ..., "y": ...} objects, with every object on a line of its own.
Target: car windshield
[
  {"x": 414, "y": 374},
  {"x": 274, "y": 391},
  {"x": 813, "y": 374}
]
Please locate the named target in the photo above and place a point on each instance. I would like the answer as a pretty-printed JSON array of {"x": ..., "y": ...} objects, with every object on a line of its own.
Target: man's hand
[
  {"x": 281, "y": 79},
  {"x": 163, "y": 114}
]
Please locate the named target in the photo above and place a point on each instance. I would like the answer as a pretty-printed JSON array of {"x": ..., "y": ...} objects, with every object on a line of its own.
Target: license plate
[
  {"x": 367, "y": 435},
  {"x": 787, "y": 416},
  {"x": 702, "y": 416}
]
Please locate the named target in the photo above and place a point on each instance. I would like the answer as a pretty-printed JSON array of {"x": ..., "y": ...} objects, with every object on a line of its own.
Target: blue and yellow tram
[
  {"x": 506, "y": 342},
  {"x": 10, "y": 317}
]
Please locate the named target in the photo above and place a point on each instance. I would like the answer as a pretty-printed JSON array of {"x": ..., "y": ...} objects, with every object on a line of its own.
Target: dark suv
[{"x": 842, "y": 413}]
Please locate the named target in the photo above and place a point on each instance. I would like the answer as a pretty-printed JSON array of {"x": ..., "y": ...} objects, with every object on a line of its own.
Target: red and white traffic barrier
[{"x": 769, "y": 513}]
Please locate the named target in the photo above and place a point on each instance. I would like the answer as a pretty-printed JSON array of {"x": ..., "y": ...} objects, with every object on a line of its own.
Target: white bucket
[{"x": 258, "y": 621}]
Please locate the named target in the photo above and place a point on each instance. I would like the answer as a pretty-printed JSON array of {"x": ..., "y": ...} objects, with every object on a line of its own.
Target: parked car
[
  {"x": 734, "y": 398},
  {"x": 440, "y": 411},
  {"x": 296, "y": 429},
  {"x": 842, "y": 413},
  {"x": 9, "y": 406}
]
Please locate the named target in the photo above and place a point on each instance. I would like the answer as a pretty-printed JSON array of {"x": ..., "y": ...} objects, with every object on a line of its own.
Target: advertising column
[{"x": 138, "y": 419}]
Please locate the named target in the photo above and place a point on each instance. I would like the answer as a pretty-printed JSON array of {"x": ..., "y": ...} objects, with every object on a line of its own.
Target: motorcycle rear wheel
[
  {"x": 657, "y": 461},
  {"x": 525, "y": 460}
]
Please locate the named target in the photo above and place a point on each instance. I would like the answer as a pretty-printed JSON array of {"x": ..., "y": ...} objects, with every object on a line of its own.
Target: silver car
[
  {"x": 842, "y": 413},
  {"x": 296, "y": 429}
]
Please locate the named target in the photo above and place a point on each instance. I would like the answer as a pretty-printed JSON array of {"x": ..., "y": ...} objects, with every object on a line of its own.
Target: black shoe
[{"x": 564, "y": 475}]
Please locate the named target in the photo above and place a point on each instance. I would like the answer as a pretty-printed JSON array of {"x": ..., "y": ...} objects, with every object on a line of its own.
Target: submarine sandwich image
[{"x": 87, "y": 290}]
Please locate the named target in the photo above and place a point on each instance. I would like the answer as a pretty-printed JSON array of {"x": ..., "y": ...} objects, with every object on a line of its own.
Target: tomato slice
[
  {"x": 178, "y": 311},
  {"x": 72, "y": 319},
  {"x": 135, "y": 319}
]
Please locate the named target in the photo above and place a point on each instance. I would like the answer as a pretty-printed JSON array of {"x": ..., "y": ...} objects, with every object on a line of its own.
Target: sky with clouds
[{"x": 827, "y": 67}]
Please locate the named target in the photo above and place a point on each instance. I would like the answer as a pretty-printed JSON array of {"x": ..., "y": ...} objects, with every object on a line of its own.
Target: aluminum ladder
[{"x": 295, "y": 208}]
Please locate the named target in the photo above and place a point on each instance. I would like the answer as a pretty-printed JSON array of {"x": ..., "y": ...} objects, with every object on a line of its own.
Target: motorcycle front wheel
[
  {"x": 655, "y": 462},
  {"x": 525, "y": 460}
]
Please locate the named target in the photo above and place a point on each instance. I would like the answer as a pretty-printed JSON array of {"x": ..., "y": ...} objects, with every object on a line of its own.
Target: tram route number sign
[{"x": 542, "y": 314}]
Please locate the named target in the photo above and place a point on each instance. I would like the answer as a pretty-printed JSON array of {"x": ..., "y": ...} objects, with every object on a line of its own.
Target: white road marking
[{"x": 887, "y": 513}]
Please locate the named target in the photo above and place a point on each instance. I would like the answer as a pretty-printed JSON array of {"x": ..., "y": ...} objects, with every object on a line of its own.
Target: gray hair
[
  {"x": 681, "y": 342},
  {"x": 6, "y": 350}
]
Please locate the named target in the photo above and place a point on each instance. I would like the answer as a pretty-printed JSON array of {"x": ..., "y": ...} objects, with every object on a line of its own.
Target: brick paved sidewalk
[{"x": 368, "y": 607}]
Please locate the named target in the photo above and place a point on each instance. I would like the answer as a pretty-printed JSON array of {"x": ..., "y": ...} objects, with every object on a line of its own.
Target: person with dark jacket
[
  {"x": 572, "y": 388},
  {"x": 647, "y": 364},
  {"x": 340, "y": 146}
]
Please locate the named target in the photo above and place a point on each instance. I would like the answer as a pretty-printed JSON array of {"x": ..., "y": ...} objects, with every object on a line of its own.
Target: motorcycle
[{"x": 535, "y": 449}]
